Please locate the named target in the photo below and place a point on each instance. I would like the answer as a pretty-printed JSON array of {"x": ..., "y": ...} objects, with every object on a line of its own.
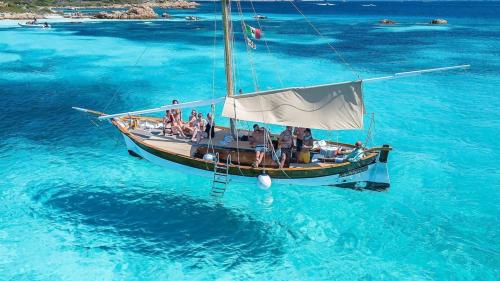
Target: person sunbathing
[
  {"x": 353, "y": 156},
  {"x": 167, "y": 120},
  {"x": 189, "y": 126},
  {"x": 199, "y": 128},
  {"x": 177, "y": 124}
]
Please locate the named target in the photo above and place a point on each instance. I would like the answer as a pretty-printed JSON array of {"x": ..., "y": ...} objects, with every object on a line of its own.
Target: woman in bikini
[
  {"x": 177, "y": 124},
  {"x": 167, "y": 120}
]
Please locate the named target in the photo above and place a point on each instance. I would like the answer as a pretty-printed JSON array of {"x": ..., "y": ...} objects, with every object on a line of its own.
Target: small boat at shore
[
  {"x": 34, "y": 25},
  {"x": 260, "y": 17}
]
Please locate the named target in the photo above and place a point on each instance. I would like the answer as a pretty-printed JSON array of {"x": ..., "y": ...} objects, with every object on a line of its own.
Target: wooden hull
[{"x": 367, "y": 173}]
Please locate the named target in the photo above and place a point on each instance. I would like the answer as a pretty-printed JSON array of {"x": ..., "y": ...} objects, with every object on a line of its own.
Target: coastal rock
[
  {"x": 20, "y": 16},
  {"x": 180, "y": 4},
  {"x": 168, "y": 4},
  {"x": 439, "y": 21},
  {"x": 135, "y": 12},
  {"x": 387, "y": 21}
]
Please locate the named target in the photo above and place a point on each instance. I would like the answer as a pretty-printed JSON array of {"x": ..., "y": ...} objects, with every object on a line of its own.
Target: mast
[{"x": 228, "y": 56}]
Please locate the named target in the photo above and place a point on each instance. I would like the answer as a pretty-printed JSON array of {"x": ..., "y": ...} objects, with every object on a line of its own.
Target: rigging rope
[
  {"x": 371, "y": 129},
  {"x": 265, "y": 42},
  {"x": 254, "y": 76},
  {"x": 249, "y": 53},
  {"x": 122, "y": 84},
  {"x": 328, "y": 43},
  {"x": 214, "y": 63}
]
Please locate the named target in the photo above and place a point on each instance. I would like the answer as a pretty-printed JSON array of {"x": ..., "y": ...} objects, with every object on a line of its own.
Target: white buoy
[
  {"x": 208, "y": 157},
  {"x": 264, "y": 181}
]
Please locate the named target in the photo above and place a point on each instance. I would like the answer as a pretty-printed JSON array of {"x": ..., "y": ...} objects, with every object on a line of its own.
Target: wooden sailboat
[{"x": 329, "y": 107}]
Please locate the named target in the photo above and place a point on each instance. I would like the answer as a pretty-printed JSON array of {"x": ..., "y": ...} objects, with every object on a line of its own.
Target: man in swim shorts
[
  {"x": 259, "y": 140},
  {"x": 285, "y": 144}
]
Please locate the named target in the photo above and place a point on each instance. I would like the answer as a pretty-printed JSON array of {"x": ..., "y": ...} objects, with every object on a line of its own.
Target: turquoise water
[{"x": 75, "y": 206}]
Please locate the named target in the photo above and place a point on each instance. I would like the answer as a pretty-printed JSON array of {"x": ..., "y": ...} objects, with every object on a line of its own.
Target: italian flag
[{"x": 251, "y": 31}]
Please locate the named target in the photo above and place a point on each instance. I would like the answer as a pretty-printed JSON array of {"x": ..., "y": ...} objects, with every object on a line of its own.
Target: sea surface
[{"x": 75, "y": 206}]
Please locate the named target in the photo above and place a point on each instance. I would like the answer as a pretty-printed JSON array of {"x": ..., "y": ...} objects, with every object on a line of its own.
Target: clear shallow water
[{"x": 75, "y": 206}]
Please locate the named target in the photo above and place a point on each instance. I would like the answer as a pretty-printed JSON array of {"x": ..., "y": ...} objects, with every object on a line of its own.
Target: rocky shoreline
[
  {"x": 142, "y": 11},
  {"x": 135, "y": 12},
  {"x": 21, "y": 16}
]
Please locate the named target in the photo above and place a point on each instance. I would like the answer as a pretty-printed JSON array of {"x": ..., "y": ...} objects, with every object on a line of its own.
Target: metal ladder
[{"x": 221, "y": 176}]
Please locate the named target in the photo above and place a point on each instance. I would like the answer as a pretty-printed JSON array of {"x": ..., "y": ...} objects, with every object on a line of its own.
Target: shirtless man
[
  {"x": 285, "y": 144},
  {"x": 258, "y": 139}
]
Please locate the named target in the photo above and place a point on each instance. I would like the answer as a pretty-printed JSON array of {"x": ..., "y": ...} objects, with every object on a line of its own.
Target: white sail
[{"x": 329, "y": 107}]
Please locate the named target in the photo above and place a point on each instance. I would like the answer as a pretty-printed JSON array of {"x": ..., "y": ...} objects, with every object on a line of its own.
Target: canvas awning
[{"x": 329, "y": 107}]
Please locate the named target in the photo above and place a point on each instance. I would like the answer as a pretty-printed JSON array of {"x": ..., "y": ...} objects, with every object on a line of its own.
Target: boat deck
[
  {"x": 175, "y": 144},
  {"x": 182, "y": 146}
]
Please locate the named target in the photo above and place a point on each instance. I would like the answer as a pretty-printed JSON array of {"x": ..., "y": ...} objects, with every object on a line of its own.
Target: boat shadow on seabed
[{"x": 156, "y": 223}]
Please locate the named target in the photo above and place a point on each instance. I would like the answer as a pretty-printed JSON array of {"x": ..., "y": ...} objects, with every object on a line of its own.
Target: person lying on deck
[
  {"x": 285, "y": 143},
  {"x": 354, "y": 156},
  {"x": 258, "y": 139}
]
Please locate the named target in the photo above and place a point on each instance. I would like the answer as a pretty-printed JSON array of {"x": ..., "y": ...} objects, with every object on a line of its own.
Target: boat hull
[
  {"x": 33, "y": 25},
  {"x": 372, "y": 175}
]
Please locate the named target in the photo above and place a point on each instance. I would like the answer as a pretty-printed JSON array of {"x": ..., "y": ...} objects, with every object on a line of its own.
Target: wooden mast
[{"x": 228, "y": 55}]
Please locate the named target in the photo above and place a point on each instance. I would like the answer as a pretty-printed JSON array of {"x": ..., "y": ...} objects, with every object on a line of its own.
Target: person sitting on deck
[
  {"x": 189, "y": 126},
  {"x": 285, "y": 143},
  {"x": 354, "y": 156},
  {"x": 307, "y": 145},
  {"x": 199, "y": 128},
  {"x": 177, "y": 114},
  {"x": 177, "y": 124},
  {"x": 167, "y": 121},
  {"x": 258, "y": 139},
  {"x": 210, "y": 126}
]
